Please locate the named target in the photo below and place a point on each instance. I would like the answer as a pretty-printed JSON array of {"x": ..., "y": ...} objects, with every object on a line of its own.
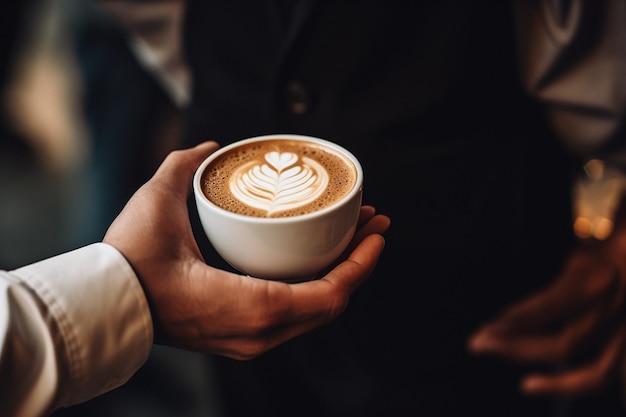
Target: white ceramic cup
[{"x": 292, "y": 248}]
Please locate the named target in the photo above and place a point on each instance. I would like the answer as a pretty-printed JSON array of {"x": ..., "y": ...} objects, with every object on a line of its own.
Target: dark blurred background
[{"x": 83, "y": 125}]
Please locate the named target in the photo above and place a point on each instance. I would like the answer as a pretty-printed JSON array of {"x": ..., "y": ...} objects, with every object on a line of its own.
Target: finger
[
  {"x": 366, "y": 213},
  {"x": 582, "y": 285},
  {"x": 541, "y": 347},
  {"x": 375, "y": 225},
  {"x": 178, "y": 168},
  {"x": 361, "y": 262},
  {"x": 585, "y": 380},
  {"x": 318, "y": 302}
]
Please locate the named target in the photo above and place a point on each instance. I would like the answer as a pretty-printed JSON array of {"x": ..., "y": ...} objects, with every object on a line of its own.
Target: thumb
[{"x": 178, "y": 168}]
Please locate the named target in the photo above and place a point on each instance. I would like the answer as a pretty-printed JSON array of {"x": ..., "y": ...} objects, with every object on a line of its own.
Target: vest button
[{"x": 298, "y": 98}]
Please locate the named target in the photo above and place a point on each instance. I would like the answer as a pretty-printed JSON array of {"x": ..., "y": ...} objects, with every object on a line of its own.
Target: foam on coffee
[{"x": 278, "y": 178}]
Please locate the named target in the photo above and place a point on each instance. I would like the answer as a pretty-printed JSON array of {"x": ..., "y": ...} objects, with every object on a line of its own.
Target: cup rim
[{"x": 201, "y": 197}]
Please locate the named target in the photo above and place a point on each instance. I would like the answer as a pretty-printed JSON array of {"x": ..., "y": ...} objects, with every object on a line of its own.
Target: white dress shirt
[{"x": 72, "y": 327}]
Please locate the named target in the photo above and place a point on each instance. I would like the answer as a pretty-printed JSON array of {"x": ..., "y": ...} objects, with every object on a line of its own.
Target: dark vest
[{"x": 427, "y": 95}]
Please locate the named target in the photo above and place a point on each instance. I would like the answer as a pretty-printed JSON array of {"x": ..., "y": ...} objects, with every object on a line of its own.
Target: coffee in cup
[
  {"x": 278, "y": 177},
  {"x": 279, "y": 206}
]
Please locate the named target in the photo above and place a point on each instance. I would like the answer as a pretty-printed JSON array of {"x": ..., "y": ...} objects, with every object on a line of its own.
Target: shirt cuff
[{"x": 104, "y": 325}]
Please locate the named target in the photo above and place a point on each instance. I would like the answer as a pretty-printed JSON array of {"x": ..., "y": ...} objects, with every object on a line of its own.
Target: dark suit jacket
[{"x": 428, "y": 96}]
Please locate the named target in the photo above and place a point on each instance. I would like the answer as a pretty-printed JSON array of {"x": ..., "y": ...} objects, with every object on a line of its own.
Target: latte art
[
  {"x": 278, "y": 178},
  {"x": 284, "y": 182}
]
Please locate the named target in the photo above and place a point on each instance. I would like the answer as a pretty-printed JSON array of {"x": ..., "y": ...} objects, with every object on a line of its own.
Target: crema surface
[{"x": 278, "y": 178}]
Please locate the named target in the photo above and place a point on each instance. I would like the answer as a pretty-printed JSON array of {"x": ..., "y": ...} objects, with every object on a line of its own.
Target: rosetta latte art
[{"x": 284, "y": 182}]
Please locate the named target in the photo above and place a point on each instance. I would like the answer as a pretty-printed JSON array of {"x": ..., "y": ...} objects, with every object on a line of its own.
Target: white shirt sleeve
[{"x": 72, "y": 327}]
